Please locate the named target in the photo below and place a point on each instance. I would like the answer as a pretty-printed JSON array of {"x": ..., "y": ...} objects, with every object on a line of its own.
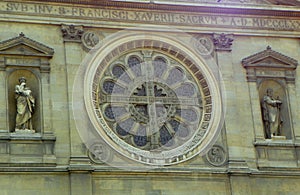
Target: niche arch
[
  {"x": 270, "y": 69},
  {"x": 279, "y": 92},
  {"x": 23, "y": 57},
  {"x": 32, "y": 82}
]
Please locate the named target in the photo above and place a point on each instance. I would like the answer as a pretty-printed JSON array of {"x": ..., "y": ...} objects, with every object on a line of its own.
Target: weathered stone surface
[{"x": 55, "y": 159}]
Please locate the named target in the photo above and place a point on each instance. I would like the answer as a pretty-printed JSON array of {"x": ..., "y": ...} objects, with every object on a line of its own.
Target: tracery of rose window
[{"x": 149, "y": 100}]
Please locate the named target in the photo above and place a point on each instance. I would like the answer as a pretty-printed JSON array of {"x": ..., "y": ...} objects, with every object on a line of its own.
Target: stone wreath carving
[
  {"x": 99, "y": 153},
  {"x": 90, "y": 40},
  {"x": 216, "y": 156}
]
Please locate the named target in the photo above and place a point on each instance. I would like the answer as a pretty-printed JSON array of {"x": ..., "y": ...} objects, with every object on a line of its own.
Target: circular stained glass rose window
[{"x": 149, "y": 103}]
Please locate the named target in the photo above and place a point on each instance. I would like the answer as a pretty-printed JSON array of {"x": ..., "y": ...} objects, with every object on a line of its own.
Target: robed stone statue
[
  {"x": 271, "y": 114},
  {"x": 25, "y": 106}
]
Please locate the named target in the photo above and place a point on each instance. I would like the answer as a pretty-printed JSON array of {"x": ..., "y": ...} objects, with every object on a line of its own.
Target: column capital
[
  {"x": 223, "y": 41},
  {"x": 72, "y": 33}
]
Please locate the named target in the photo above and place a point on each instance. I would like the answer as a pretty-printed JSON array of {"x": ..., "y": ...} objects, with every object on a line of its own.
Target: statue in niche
[
  {"x": 271, "y": 114},
  {"x": 25, "y": 106}
]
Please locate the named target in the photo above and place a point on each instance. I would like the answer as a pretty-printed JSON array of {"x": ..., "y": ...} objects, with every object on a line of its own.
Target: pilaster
[
  {"x": 235, "y": 132},
  {"x": 73, "y": 57}
]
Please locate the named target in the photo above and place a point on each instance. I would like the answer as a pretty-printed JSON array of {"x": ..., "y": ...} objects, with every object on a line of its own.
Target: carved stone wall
[
  {"x": 203, "y": 43},
  {"x": 24, "y": 57},
  {"x": 271, "y": 70}
]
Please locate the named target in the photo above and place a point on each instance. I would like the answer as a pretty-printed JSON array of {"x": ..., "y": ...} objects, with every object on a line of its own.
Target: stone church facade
[{"x": 149, "y": 97}]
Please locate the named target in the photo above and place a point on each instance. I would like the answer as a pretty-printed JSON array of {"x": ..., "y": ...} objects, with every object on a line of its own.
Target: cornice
[
  {"x": 39, "y": 48},
  {"x": 286, "y": 62},
  {"x": 263, "y": 10}
]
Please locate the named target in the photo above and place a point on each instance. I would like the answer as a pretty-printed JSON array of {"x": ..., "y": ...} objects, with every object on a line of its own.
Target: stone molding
[
  {"x": 284, "y": 2},
  {"x": 277, "y": 154},
  {"x": 25, "y": 52},
  {"x": 27, "y": 149},
  {"x": 41, "y": 49},
  {"x": 270, "y": 64},
  {"x": 221, "y": 2},
  {"x": 192, "y": 18}
]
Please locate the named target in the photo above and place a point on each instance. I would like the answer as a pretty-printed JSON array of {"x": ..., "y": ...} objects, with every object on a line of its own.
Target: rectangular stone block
[
  {"x": 281, "y": 154},
  {"x": 3, "y": 147},
  {"x": 26, "y": 149}
]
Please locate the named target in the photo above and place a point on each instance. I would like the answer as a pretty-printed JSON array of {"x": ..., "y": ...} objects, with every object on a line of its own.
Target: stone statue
[
  {"x": 271, "y": 114},
  {"x": 25, "y": 106}
]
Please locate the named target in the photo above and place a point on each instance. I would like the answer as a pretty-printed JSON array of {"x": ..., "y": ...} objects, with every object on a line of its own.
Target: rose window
[{"x": 150, "y": 102}]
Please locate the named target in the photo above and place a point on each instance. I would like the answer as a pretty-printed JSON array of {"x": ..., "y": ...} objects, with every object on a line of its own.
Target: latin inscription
[
  {"x": 22, "y": 61},
  {"x": 150, "y": 17},
  {"x": 270, "y": 73}
]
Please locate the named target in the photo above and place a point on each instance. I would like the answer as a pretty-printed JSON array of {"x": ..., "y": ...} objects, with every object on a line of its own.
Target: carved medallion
[
  {"x": 99, "y": 153},
  {"x": 203, "y": 45},
  {"x": 216, "y": 156},
  {"x": 90, "y": 39}
]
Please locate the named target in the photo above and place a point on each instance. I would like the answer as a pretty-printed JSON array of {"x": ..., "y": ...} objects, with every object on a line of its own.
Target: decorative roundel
[
  {"x": 90, "y": 39},
  {"x": 151, "y": 102},
  {"x": 216, "y": 156},
  {"x": 203, "y": 45},
  {"x": 99, "y": 153}
]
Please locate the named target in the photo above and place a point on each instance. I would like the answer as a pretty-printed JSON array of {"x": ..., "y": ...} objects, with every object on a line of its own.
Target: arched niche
[
  {"x": 24, "y": 57},
  {"x": 32, "y": 82},
  {"x": 279, "y": 92},
  {"x": 271, "y": 69}
]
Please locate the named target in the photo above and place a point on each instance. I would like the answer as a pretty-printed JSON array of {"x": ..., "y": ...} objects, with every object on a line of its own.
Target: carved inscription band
[{"x": 118, "y": 15}]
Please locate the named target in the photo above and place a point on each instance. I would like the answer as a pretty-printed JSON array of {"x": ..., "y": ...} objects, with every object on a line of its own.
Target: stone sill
[
  {"x": 275, "y": 143},
  {"x": 277, "y": 153},
  {"x": 27, "y": 149},
  {"x": 5, "y": 135}
]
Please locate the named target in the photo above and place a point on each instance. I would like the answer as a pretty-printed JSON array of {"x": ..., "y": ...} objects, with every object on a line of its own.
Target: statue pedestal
[
  {"x": 278, "y": 137},
  {"x": 27, "y": 148},
  {"x": 24, "y": 131}
]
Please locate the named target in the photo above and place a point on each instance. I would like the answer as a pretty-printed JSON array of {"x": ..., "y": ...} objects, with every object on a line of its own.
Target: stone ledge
[
  {"x": 276, "y": 154},
  {"x": 27, "y": 149},
  {"x": 275, "y": 142},
  {"x": 80, "y": 163}
]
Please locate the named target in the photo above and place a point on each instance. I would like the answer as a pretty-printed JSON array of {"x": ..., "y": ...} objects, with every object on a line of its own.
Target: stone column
[
  {"x": 236, "y": 133},
  {"x": 46, "y": 99},
  {"x": 73, "y": 58},
  {"x": 256, "y": 111},
  {"x": 3, "y": 102}
]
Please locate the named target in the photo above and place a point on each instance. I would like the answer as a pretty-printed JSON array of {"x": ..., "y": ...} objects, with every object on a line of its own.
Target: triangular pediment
[
  {"x": 22, "y": 45},
  {"x": 269, "y": 59}
]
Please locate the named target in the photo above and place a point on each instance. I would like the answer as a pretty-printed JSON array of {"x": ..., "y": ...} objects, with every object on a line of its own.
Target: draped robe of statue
[
  {"x": 25, "y": 105},
  {"x": 271, "y": 115}
]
